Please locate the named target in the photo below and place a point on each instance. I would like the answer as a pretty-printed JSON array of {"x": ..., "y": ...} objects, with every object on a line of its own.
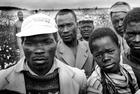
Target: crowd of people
[{"x": 63, "y": 55}]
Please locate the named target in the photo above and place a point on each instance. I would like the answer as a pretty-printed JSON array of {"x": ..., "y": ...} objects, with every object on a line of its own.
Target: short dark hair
[
  {"x": 66, "y": 11},
  {"x": 132, "y": 16},
  {"x": 100, "y": 33}
]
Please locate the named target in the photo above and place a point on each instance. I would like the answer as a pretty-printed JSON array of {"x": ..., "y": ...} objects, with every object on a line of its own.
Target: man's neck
[
  {"x": 21, "y": 20},
  {"x": 135, "y": 56},
  {"x": 72, "y": 43},
  {"x": 86, "y": 39},
  {"x": 39, "y": 72}
]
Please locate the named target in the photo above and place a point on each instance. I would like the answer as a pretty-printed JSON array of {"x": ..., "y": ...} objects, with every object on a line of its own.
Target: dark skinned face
[
  {"x": 39, "y": 52},
  {"x": 106, "y": 54}
]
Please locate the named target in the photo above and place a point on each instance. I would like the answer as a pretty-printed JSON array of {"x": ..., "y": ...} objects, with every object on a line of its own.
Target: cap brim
[{"x": 36, "y": 31}]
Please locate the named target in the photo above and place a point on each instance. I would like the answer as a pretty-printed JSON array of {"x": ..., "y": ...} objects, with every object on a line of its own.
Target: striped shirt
[{"x": 119, "y": 81}]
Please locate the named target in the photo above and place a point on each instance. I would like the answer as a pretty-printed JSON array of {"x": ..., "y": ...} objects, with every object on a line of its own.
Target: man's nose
[
  {"x": 120, "y": 22},
  {"x": 39, "y": 49},
  {"x": 137, "y": 38},
  {"x": 86, "y": 28},
  {"x": 106, "y": 58},
  {"x": 65, "y": 29}
]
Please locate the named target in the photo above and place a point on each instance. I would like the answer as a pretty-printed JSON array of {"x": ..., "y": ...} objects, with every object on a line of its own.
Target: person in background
[
  {"x": 17, "y": 29},
  {"x": 132, "y": 35},
  {"x": 70, "y": 50},
  {"x": 117, "y": 13},
  {"x": 40, "y": 72},
  {"x": 86, "y": 26},
  {"x": 109, "y": 77}
]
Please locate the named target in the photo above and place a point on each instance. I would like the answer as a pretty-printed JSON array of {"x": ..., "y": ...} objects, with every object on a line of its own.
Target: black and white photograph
[{"x": 69, "y": 46}]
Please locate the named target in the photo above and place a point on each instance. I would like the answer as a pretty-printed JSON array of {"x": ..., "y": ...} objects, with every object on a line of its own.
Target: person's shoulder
[
  {"x": 95, "y": 78},
  {"x": 4, "y": 73},
  {"x": 94, "y": 82},
  {"x": 128, "y": 68},
  {"x": 7, "y": 70},
  {"x": 83, "y": 42},
  {"x": 78, "y": 73}
]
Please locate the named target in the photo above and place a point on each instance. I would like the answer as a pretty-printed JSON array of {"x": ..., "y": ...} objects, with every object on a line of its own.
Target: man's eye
[
  {"x": 48, "y": 41},
  {"x": 69, "y": 25},
  {"x": 98, "y": 55},
  {"x": 60, "y": 27},
  {"x": 130, "y": 34},
  {"x": 111, "y": 51}
]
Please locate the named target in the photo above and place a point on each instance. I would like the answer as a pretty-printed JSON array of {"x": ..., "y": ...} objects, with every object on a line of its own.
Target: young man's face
[
  {"x": 86, "y": 27},
  {"x": 39, "y": 51},
  {"x": 117, "y": 21},
  {"x": 67, "y": 27},
  {"x": 106, "y": 54},
  {"x": 132, "y": 36}
]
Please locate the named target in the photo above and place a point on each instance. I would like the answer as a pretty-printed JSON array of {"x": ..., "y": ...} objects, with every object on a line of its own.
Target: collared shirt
[{"x": 27, "y": 68}]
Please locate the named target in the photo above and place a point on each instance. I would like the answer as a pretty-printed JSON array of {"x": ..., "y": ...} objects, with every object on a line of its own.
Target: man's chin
[{"x": 135, "y": 51}]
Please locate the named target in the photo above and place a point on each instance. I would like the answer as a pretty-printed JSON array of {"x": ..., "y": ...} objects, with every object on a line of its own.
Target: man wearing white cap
[
  {"x": 39, "y": 72},
  {"x": 118, "y": 12}
]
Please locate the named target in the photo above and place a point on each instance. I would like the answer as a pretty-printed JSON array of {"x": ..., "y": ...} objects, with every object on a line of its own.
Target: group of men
[{"x": 102, "y": 61}]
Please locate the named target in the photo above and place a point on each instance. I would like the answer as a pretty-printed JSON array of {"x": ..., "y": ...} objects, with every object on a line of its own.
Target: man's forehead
[
  {"x": 102, "y": 40},
  {"x": 39, "y": 37},
  {"x": 119, "y": 14},
  {"x": 133, "y": 25},
  {"x": 64, "y": 16}
]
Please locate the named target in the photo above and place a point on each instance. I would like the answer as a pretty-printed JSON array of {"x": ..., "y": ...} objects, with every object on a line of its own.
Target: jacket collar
[
  {"x": 67, "y": 55},
  {"x": 16, "y": 80}
]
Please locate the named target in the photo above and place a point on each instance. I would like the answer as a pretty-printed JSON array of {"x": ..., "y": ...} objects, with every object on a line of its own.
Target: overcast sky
[{"x": 52, "y": 4}]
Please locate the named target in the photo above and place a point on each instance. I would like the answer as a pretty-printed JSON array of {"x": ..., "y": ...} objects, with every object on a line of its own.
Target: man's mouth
[
  {"x": 67, "y": 36},
  {"x": 109, "y": 65},
  {"x": 137, "y": 47},
  {"x": 40, "y": 60}
]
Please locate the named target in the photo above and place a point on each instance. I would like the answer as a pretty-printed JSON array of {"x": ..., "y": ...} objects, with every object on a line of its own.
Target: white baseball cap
[{"x": 37, "y": 24}]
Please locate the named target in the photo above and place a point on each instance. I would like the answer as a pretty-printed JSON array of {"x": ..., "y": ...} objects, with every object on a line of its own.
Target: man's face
[
  {"x": 39, "y": 51},
  {"x": 132, "y": 36},
  {"x": 106, "y": 54},
  {"x": 86, "y": 27},
  {"x": 20, "y": 15},
  {"x": 67, "y": 27},
  {"x": 117, "y": 21}
]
